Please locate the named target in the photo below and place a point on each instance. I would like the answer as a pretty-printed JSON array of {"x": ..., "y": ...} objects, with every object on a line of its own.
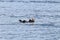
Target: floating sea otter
[{"x": 30, "y": 21}]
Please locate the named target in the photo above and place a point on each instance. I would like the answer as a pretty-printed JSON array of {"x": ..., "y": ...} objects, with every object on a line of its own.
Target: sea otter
[{"x": 29, "y": 21}]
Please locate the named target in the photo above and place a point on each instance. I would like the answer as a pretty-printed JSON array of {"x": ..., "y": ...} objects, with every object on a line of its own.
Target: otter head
[{"x": 32, "y": 19}]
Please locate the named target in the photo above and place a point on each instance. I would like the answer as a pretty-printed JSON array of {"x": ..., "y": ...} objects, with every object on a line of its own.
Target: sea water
[{"x": 45, "y": 13}]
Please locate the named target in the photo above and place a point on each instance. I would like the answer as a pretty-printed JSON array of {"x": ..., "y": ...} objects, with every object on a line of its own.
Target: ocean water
[{"x": 45, "y": 27}]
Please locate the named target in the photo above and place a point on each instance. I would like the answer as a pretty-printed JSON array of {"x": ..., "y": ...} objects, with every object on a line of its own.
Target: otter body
[{"x": 24, "y": 21}]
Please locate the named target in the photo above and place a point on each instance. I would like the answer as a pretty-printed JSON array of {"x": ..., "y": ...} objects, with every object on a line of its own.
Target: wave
[
  {"x": 36, "y": 16},
  {"x": 2, "y": 14},
  {"x": 33, "y": 1},
  {"x": 44, "y": 1},
  {"x": 50, "y": 11},
  {"x": 29, "y": 16},
  {"x": 36, "y": 24}
]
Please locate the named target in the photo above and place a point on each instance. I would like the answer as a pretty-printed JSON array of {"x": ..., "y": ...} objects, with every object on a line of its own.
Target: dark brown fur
[{"x": 24, "y": 21}]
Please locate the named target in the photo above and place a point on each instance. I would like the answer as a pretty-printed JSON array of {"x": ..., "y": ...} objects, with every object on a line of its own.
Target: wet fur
[{"x": 24, "y": 21}]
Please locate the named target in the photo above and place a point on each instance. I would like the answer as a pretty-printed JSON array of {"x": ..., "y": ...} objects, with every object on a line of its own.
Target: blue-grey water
[{"x": 45, "y": 13}]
